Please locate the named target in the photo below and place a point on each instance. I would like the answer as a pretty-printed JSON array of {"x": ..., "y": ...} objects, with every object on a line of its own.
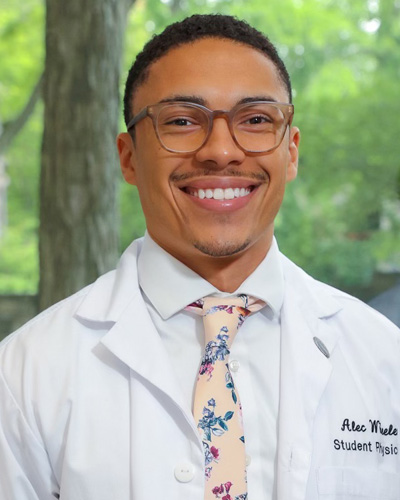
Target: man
[{"x": 99, "y": 393}]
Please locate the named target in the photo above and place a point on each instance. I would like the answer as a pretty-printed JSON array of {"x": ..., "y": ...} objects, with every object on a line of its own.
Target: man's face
[{"x": 218, "y": 73}]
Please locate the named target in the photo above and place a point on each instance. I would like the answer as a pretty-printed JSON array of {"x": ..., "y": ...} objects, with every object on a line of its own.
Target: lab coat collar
[
  {"x": 314, "y": 301},
  {"x": 111, "y": 293}
]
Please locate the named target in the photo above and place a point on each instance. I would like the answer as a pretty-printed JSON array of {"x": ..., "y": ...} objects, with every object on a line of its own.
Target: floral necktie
[{"x": 217, "y": 407}]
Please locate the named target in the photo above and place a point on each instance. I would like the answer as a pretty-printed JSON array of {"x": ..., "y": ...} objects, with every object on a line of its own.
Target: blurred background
[{"x": 65, "y": 213}]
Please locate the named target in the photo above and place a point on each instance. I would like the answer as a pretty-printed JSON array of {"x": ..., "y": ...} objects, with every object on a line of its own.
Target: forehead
[{"x": 219, "y": 71}]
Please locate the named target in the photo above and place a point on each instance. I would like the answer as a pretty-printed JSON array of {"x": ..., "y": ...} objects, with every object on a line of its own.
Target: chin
[{"x": 221, "y": 249}]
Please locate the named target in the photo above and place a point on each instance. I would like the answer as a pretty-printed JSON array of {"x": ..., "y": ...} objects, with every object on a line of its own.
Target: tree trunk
[{"x": 78, "y": 194}]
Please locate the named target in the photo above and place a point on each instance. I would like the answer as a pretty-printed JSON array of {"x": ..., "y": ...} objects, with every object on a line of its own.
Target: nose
[{"x": 220, "y": 149}]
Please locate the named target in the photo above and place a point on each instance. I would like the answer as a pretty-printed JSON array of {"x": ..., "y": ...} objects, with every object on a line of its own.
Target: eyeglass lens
[{"x": 256, "y": 127}]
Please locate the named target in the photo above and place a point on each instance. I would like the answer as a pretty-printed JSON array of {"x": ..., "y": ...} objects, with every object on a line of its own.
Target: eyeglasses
[{"x": 184, "y": 127}]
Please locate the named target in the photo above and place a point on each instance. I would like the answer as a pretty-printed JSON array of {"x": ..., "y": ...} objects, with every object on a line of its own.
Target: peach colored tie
[{"x": 217, "y": 407}]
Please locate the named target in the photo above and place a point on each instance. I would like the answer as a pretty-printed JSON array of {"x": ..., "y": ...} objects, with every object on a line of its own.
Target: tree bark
[{"x": 78, "y": 213}]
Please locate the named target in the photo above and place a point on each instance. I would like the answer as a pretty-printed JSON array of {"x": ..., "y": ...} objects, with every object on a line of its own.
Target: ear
[
  {"x": 294, "y": 140},
  {"x": 126, "y": 151}
]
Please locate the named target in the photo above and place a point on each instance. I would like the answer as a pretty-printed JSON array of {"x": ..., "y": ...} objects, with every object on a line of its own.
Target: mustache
[{"x": 258, "y": 176}]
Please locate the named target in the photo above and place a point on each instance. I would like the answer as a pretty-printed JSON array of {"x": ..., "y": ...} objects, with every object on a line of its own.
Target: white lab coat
[{"x": 90, "y": 408}]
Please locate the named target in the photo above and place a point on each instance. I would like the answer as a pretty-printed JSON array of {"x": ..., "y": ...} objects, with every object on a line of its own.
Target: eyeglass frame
[{"x": 154, "y": 110}]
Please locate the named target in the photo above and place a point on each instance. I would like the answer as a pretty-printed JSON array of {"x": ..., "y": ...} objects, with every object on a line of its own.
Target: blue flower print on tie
[
  {"x": 211, "y": 424},
  {"x": 230, "y": 384},
  {"x": 214, "y": 309},
  {"x": 243, "y": 312},
  {"x": 215, "y": 350}
]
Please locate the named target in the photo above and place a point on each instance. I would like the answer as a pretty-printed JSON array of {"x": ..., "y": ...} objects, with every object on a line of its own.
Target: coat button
[
  {"x": 184, "y": 472},
  {"x": 234, "y": 365}
]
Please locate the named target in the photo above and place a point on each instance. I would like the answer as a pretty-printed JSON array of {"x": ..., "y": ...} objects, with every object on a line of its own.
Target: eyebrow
[
  {"x": 185, "y": 98},
  {"x": 257, "y": 98},
  {"x": 200, "y": 100}
]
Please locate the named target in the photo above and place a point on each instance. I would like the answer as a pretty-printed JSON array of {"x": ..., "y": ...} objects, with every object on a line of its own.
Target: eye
[
  {"x": 180, "y": 122},
  {"x": 175, "y": 119},
  {"x": 258, "y": 120},
  {"x": 261, "y": 117}
]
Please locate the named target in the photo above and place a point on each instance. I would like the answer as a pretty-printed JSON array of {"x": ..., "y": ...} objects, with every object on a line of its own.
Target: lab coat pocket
[{"x": 353, "y": 483}]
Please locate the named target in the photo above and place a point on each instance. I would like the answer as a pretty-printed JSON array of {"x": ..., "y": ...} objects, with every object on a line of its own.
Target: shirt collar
[{"x": 171, "y": 286}]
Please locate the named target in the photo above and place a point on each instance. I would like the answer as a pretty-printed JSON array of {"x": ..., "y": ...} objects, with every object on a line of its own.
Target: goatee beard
[{"x": 226, "y": 249}]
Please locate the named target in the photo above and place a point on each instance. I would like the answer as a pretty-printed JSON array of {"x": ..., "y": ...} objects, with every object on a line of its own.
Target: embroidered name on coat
[{"x": 374, "y": 429}]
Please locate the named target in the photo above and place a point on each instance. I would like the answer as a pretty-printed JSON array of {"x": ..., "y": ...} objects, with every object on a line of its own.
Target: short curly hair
[{"x": 194, "y": 28}]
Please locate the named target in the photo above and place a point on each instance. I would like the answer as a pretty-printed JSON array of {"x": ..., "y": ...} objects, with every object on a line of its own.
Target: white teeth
[{"x": 220, "y": 194}]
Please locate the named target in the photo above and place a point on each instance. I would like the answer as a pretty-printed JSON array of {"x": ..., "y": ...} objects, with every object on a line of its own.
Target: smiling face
[{"x": 219, "y": 202}]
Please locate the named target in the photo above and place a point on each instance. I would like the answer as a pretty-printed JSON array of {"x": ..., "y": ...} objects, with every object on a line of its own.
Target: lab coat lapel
[
  {"x": 114, "y": 303},
  {"x": 305, "y": 372},
  {"x": 136, "y": 342}
]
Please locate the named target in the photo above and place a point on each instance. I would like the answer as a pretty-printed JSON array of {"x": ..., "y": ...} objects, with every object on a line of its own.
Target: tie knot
[
  {"x": 223, "y": 316},
  {"x": 236, "y": 304},
  {"x": 212, "y": 304}
]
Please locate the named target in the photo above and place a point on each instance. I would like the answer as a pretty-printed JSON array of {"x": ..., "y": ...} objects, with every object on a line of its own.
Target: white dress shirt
[{"x": 168, "y": 286}]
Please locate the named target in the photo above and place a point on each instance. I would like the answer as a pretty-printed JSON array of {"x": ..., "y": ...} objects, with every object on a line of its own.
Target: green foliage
[
  {"x": 340, "y": 219},
  {"x": 19, "y": 271},
  {"x": 21, "y": 53},
  {"x": 314, "y": 236},
  {"x": 21, "y": 63}
]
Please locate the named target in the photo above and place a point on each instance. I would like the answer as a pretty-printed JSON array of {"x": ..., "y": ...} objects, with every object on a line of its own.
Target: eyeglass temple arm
[
  {"x": 290, "y": 120},
  {"x": 137, "y": 118}
]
